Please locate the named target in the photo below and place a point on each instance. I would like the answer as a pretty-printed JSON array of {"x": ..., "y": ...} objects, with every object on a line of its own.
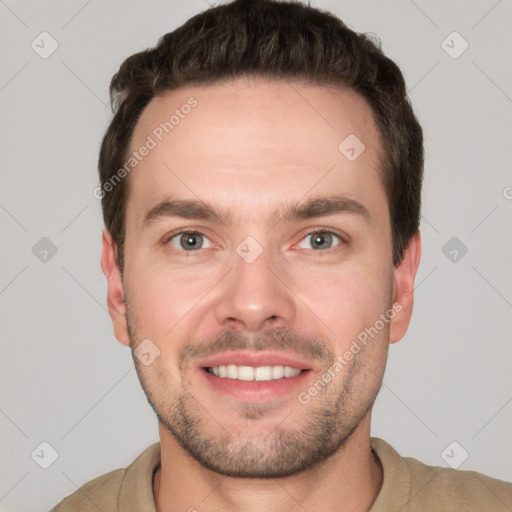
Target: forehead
[{"x": 250, "y": 141}]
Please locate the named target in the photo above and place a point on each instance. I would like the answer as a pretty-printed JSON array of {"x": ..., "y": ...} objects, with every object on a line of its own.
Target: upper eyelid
[{"x": 174, "y": 234}]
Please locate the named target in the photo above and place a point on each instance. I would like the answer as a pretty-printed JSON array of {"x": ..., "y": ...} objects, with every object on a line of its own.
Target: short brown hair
[{"x": 275, "y": 40}]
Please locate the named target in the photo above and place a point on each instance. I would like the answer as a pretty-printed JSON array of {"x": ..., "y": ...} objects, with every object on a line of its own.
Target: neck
[{"x": 349, "y": 480}]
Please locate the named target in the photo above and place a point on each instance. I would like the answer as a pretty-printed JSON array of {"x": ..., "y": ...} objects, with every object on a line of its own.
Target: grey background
[{"x": 67, "y": 381}]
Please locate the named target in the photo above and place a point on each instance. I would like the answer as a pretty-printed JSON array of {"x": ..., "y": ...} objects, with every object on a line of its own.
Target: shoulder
[
  {"x": 469, "y": 490},
  {"x": 100, "y": 493},
  {"x": 111, "y": 491},
  {"x": 413, "y": 485}
]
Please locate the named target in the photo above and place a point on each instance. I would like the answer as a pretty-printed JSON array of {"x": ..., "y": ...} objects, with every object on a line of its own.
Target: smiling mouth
[{"x": 253, "y": 373}]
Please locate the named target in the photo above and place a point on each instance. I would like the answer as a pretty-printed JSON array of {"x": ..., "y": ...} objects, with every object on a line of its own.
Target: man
[{"x": 260, "y": 184}]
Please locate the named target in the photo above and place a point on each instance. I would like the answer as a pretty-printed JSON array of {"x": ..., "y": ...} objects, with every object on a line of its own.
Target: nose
[{"x": 255, "y": 296}]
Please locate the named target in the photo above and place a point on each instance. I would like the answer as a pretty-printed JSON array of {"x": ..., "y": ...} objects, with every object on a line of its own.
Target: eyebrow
[{"x": 199, "y": 210}]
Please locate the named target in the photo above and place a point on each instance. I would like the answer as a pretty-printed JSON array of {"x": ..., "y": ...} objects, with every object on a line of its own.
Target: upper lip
[{"x": 251, "y": 358}]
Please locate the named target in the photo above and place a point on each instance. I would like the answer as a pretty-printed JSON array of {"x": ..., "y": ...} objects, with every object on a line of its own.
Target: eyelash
[{"x": 342, "y": 240}]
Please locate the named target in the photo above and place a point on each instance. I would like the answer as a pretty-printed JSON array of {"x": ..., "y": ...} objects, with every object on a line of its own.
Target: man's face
[{"x": 249, "y": 294}]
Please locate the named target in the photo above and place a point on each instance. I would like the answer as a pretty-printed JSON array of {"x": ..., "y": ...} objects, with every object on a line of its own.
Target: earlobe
[
  {"x": 403, "y": 288},
  {"x": 115, "y": 294}
]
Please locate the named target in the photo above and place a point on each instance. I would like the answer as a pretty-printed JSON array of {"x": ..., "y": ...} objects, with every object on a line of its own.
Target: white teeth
[
  {"x": 245, "y": 373},
  {"x": 250, "y": 373},
  {"x": 263, "y": 373},
  {"x": 289, "y": 372},
  {"x": 277, "y": 372},
  {"x": 232, "y": 371}
]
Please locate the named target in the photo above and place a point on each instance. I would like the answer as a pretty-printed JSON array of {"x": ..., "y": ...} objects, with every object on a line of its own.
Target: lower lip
[{"x": 256, "y": 390}]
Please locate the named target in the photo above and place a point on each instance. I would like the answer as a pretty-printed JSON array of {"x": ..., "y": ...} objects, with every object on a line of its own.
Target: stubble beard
[{"x": 325, "y": 425}]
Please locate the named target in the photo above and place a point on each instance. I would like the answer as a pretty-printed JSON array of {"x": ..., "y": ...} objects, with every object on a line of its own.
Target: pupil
[
  {"x": 189, "y": 241},
  {"x": 321, "y": 239}
]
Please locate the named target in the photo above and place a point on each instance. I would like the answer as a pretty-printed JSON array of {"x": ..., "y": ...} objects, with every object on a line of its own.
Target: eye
[
  {"x": 189, "y": 241},
  {"x": 321, "y": 240}
]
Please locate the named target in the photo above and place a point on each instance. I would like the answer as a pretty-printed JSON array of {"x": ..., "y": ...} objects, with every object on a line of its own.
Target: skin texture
[{"x": 252, "y": 146}]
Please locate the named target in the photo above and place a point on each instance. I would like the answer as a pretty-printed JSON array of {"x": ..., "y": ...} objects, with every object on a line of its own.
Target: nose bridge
[{"x": 253, "y": 294}]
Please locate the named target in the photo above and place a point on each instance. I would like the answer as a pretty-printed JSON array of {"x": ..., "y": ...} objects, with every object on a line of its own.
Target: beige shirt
[{"x": 408, "y": 486}]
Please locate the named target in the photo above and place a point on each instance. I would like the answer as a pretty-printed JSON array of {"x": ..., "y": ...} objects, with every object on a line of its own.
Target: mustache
[{"x": 279, "y": 339}]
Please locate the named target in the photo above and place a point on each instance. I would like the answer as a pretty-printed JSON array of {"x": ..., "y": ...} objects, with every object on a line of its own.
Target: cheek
[
  {"x": 346, "y": 300},
  {"x": 162, "y": 301}
]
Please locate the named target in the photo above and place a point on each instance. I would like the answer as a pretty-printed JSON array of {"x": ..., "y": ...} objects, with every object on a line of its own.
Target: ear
[
  {"x": 115, "y": 295},
  {"x": 403, "y": 289}
]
